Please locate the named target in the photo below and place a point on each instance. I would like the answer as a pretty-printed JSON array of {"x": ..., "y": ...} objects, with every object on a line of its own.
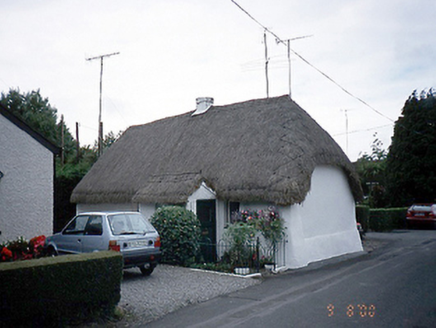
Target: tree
[
  {"x": 411, "y": 162},
  {"x": 108, "y": 140},
  {"x": 37, "y": 112},
  {"x": 371, "y": 170}
]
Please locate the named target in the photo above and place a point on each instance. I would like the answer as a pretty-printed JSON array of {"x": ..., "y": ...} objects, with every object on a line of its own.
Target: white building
[{"x": 26, "y": 180}]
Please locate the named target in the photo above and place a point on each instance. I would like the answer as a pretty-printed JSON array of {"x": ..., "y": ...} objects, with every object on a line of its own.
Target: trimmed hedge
[
  {"x": 58, "y": 290},
  {"x": 387, "y": 219}
]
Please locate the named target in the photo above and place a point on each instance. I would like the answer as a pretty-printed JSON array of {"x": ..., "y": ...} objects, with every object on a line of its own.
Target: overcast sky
[{"x": 173, "y": 51}]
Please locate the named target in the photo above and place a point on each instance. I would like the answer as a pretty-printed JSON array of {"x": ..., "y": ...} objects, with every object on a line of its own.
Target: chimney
[{"x": 203, "y": 104}]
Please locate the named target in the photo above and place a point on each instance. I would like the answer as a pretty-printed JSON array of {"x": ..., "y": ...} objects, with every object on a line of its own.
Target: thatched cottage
[{"x": 247, "y": 155}]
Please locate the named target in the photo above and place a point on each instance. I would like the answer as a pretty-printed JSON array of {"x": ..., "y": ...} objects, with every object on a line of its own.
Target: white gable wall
[
  {"x": 202, "y": 193},
  {"x": 324, "y": 225},
  {"x": 82, "y": 208},
  {"x": 26, "y": 190}
]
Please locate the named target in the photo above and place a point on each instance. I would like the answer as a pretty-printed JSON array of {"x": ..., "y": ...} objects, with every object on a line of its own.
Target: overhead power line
[
  {"x": 286, "y": 43},
  {"x": 364, "y": 130}
]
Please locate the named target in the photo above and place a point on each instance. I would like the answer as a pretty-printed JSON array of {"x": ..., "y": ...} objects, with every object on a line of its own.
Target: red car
[{"x": 421, "y": 215}]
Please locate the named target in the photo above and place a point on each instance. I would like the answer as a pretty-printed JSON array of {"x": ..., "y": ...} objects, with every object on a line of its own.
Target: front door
[{"x": 206, "y": 213}]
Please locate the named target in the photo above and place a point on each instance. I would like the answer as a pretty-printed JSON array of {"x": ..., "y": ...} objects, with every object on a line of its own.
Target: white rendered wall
[
  {"x": 26, "y": 190},
  {"x": 324, "y": 225},
  {"x": 203, "y": 192},
  {"x": 106, "y": 207},
  {"x": 147, "y": 210}
]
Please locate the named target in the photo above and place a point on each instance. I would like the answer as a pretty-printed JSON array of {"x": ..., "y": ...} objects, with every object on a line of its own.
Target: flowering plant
[
  {"x": 268, "y": 222},
  {"x": 20, "y": 249},
  {"x": 240, "y": 235}
]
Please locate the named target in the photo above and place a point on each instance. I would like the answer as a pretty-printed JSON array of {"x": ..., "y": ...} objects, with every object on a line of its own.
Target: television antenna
[
  {"x": 346, "y": 128},
  {"x": 100, "y": 125},
  {"x": 267, "y": 59},
  {"x": 287, "y": 43}
]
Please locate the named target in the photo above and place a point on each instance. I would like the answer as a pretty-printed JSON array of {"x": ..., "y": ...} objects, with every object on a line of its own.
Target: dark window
[
  {"x": 233, "y": 208},
  {"x": 94, "y": 226}
]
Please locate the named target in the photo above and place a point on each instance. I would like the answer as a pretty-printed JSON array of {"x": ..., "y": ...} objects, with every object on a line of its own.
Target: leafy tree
[
  {"x": 37, "y": 112},
  {"x": 411, "y": 162},
  {"x": 371, "y": 170},
  {"x": 108, "y": 140}
]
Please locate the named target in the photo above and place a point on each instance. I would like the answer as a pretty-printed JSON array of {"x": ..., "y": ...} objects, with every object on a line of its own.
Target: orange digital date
[{"x": 361, "y": 310}]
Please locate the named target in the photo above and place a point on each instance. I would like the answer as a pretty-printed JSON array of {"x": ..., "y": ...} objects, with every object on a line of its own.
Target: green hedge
[
  {"x": 387, "y": 219},
  {"x": 362, "y": 216},
  {"x": 58, "y": 290}
]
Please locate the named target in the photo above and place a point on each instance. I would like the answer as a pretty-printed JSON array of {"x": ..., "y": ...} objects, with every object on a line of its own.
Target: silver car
[{"x": 127, "y": 232}]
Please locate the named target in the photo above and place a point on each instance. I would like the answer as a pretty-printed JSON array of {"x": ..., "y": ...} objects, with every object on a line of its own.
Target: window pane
[
  {"x": 94, "y": 226},
  {"x": 78, "y": 225},
  {"x": 133, "y": 223}
]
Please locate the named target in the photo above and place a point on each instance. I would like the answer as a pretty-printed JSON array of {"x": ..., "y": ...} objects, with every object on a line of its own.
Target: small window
[
  {"x": 94, "y": 226},
  {"x": 77, "y": 226},
  {"x": 233, "y": 208}
]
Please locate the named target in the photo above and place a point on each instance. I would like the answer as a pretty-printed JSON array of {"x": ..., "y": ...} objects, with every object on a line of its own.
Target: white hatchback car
[{"x": 127, "y": 232}]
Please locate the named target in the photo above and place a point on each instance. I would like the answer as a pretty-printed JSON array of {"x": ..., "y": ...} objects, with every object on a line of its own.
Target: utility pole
[
  {"x": 100, "y": 129},
  {"x": 77, "y": 143},
  {"x": 62, "y": 141}
]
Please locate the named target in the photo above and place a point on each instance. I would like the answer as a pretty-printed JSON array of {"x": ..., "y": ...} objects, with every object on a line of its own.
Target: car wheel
[
  {"x": 51, "y": 252},
  {"x": 146, "y": 270}
]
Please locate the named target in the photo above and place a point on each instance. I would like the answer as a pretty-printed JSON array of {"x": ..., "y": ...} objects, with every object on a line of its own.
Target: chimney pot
[{"x": 203, "y": 104}]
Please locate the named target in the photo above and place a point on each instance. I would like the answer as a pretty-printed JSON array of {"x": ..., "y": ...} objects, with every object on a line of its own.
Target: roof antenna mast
[
  {"x": 266, "y": 64},
  {"x": 288, "y": 44},
  {"x": 100, "y": 127}
]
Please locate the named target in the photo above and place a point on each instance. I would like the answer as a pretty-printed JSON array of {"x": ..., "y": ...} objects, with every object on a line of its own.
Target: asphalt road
[{"x": 393, "y": 286}]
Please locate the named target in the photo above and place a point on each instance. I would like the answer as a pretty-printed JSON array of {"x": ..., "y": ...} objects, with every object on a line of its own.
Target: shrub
[
  {"x": 220, "y": 266},
  {"x": 246, "y": 226},
  {"x": 387, "y": 219},
  {"x": 268, "y": 222},
  {"x": 240, "y": 236},
  {"x": 180, "y": 233}
]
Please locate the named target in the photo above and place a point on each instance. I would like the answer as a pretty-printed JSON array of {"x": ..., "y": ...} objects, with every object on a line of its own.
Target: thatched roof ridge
[{"x": 259, "y": 150}]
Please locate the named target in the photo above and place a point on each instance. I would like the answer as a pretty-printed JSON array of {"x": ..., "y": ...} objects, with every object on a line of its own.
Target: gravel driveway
[{"x": 170, "y": 288}]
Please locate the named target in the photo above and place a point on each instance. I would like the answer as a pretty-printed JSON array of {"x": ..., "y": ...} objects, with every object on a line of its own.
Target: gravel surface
[{"x": 169, "y": 288}]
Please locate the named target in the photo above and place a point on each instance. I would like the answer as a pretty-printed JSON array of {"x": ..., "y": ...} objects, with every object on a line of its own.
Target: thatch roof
[{"x": 261, "y": 150}]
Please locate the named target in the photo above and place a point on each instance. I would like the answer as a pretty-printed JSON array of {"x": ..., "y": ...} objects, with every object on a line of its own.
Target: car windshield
[{"x": 129, "y": 223}]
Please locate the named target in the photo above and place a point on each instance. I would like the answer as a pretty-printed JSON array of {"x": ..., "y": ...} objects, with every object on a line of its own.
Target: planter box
[
  {"x": 269, "y": 266},
  {"x": 242, "y": 270}
]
